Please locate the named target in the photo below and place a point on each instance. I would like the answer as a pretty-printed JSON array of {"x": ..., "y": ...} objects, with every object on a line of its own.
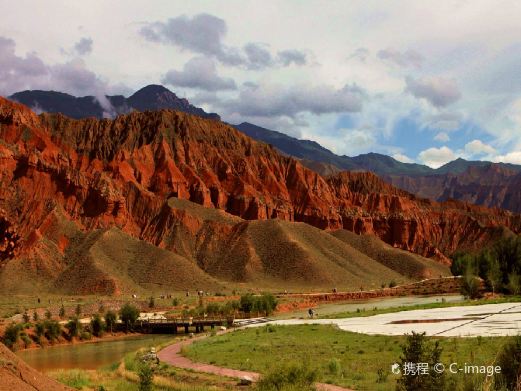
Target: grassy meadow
[{"x": 357, "y": 361}]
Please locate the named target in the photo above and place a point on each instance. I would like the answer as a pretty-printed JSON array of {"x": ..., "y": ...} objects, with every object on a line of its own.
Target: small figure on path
[{"x": 311, "y": 313}]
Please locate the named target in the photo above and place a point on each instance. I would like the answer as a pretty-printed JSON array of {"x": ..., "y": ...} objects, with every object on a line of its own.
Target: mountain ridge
[
  {"x": 150, "y": 97},
  {"x": 452, "y": 180}
]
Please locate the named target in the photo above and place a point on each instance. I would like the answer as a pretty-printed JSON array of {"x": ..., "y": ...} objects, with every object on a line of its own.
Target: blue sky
[{"x": 424, "y": 82}]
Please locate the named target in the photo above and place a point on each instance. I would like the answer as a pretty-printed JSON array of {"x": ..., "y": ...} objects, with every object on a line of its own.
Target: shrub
[
  {"x": 35, "y": 316},
  {"x": 62, "y": 311},
  {"x": 151, "y": 302},
  {"x": 381, "y": 375},
  {"x": 509, "y": 359},
  {"x": 26, "y": 340},
  {"x": 48, "y": 314},
  {"x": 299, "y": 378},
  {"x": 470, "y": 286},
  {"x": 146, "y": 375},
  {"x": 175, "y": 302},
  {"x": 128, "y": 315},
  {"x": 514, "y": 283},
  {"x": 265, "y": 303},
  {"x": 213, "y": 308},
  {"x": 392, "y": 284},
  {"x": 110, "y": 320},
  {"x": 26, "y": 317},
  {"x": 11, "y": 335},
  {"x": 85, "y": 336},
  {"x": 77, "y": 311},
  {"x": 334, "y": 366}
]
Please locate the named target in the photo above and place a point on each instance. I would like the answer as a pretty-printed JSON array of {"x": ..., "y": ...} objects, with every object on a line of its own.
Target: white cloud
[
  {"x": 31, "y": 72},
  {"x": 406, "y": 58},
  {"x": 436, "y": 157},
  {"x": 200, "y": 73},
  {"x": 272, "y": 100},
  {"x": 478, "y": 147},
  {"x": 442, "y": 137},
  {"x": 439, "y": 91},
  {"x": 511, "y": 157},
  {"x": 402, "y": 158},
  {"x": 475, "y": 43}
]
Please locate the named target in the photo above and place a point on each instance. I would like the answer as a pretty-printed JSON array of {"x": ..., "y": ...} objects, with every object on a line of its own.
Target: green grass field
[{"x": 347, "y": 359}]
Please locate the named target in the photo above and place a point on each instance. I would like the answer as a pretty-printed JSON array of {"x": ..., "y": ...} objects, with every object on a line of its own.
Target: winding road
[{"x": 172, "y": 356}]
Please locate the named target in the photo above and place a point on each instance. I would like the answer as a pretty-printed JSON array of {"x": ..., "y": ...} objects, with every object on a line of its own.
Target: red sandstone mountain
[{"x": 64, "y": 180}]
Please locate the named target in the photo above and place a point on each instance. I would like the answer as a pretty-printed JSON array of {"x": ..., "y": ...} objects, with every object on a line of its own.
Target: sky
[{"x": 422, "y": 81}]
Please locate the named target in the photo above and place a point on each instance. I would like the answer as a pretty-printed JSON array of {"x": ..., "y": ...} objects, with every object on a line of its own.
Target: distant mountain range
[
  {"x": 382, "y": 165},
  {"x": 480, "y": 182},
  {"x": 151, "y": 97}
]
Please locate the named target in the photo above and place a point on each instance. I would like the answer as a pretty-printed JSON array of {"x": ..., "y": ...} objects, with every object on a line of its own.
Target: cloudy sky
[{"x": 423, "y": 81}]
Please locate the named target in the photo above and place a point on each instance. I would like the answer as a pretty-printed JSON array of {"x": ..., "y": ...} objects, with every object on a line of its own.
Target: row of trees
[
  {"x": 499, "y": 266},
  {"x": 249, "y": 303},
  {"x": 52, "y": 329}
]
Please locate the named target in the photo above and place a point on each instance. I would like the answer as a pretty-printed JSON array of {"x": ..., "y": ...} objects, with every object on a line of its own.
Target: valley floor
[{"x": 490, "y": 320}]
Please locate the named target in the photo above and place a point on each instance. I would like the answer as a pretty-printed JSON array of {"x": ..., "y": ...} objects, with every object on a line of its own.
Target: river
[{"x": 88, "y": 355}]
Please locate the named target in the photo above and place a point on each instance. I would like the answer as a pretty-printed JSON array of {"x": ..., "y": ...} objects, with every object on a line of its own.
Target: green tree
[
  {"x": 470, "y": 285},
  {"x": 11, "y": 335},
  {"x": 26, "y": 317},
  {"x": 514, "y": 283},
  {"x": 77, "y": 311},
  {"x": 62, "y": 311},
  {"x": 110, "y": 320},
  {"x": 39, "y": 329},
  {"x": 509, "y": 359},
  {"x": 416, "y": 350},
  {"x": 494, "y": 275},
  {"x": 128, "y": 315},
  {"x": 74, "y": 327},
  {"x": 151, "y": 302},
  {"x": 48, "y": 314},
  {"x": 35, "y": 316},
  {"x": 52, "y": 330},
  {"x": 247, "y": 303},
  {"x": 269, "y": 303},
  {"x": 97, "y": 326}
]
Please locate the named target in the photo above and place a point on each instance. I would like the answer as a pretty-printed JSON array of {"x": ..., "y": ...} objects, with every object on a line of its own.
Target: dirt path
[{"x": 172, "y": 355}]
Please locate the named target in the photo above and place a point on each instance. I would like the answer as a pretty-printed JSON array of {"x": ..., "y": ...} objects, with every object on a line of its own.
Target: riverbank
[
  {"x": 75, "y": 341},
  {"x": 90, "y": 356}
]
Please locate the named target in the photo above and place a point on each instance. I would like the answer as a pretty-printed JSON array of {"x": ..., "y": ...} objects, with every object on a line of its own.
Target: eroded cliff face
[
  {"x": 104, "y": 173},
  {"x": 492, "y": 185}
]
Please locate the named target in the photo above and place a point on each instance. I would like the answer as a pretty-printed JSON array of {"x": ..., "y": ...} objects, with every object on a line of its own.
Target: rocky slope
[
  {"x": 491, "y": 185},
  {"x": 16, "y": 375},
  {"x": 99, "y": 174},
  {"x": 479, "y": 182}
]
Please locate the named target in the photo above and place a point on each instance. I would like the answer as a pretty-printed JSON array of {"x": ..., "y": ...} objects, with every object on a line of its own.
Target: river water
[{"x": 88, "y": 355}]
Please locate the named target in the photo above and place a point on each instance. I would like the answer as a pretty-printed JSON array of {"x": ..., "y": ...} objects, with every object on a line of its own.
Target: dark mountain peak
[
  {"x": 151, "y": 97},
  {"x": 153, "y": 89},
  {"x": 153, "y": 93}
]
